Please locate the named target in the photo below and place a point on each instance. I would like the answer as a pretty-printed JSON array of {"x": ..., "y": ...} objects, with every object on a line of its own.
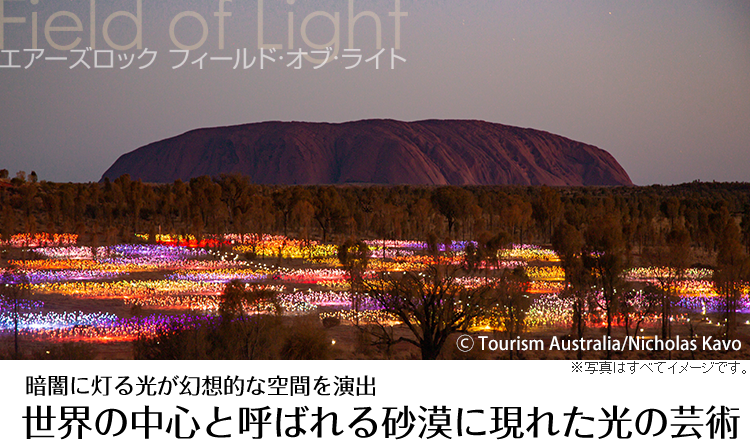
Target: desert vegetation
[{"x": 220, "y": 268}]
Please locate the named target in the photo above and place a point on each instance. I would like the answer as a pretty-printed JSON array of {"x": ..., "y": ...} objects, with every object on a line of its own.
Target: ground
[{"x": 350, "y": 345}]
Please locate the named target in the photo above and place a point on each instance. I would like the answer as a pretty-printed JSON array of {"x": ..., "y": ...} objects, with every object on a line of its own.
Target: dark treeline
[
  {"x": 109, "y": 212},
  {"x": 598, "y": 233}
]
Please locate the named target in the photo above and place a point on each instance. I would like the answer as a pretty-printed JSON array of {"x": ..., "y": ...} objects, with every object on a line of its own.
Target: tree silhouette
[
  {"x": 354, "y": 256},
  {"x": 605, "y": 258},
  {"x": 328, "y": 209},
  {"x": 432, "y": 305},
  {"x": 14, "y": 286},
  {"x": 671, "y": 256},
  {"x": 732, "y": 270},
  {"x": 568, "y": 242},
  {"x": 452, "y": 203},
  {"x": 745, "y": 226},
  {"x": 248, "y": 313},
  {"x": 512, "y": 303},
  {"x": 547, "y": 209}
]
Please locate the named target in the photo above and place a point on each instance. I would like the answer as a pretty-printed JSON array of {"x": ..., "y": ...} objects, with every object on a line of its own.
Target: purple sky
[{"x": 662, "y": 85}]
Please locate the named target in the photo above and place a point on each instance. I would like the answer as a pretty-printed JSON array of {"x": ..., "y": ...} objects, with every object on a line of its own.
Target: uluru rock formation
[{"x": 454, "y": 152}]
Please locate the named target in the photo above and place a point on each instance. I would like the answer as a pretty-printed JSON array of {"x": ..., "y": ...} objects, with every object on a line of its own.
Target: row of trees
[
  {"x": 115, "y": 211},
  {"x": 598, "y": 233},
  {"x": 433, "y": 306},
  {"x": 594, "y": 259}
]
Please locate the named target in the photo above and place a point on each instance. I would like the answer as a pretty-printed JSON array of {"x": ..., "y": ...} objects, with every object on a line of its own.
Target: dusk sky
[{"x": 664, "y": 86}]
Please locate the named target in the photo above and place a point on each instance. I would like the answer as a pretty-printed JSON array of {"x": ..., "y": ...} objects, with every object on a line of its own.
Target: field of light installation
[{"x": 110, "y": 296}]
